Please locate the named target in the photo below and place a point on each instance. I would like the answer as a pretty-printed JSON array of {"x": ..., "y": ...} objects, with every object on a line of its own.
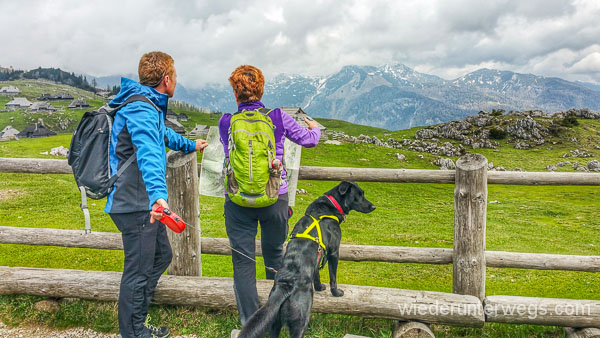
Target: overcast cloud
[{"x": 208, "y": 39}]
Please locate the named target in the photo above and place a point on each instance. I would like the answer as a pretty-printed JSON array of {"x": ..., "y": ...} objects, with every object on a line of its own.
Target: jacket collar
[
  {"x": 130, "y": 87},
  {"x": 253, "y": 105}
]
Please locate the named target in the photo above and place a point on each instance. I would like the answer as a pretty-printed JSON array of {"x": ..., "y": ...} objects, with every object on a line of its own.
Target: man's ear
[{"x": 344, "y": 186}]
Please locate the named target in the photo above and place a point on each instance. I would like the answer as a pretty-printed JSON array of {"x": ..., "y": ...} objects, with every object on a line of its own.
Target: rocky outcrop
[
  {"x": 583, "y": 113},
  {"x": 577, "y": 153},
  {"x": 526, "y": 129},
  {"x": 520, "y": 129}
]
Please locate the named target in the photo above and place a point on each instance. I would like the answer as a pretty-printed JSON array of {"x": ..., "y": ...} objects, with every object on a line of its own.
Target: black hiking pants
[
  {"x": 241, "y": 224},
  {"x": 147, "y": 256}
]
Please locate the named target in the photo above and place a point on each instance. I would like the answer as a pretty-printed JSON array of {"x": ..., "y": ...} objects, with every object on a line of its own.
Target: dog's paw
[
  {"x": 320, "y": 287},
  {"x": 337, "y": 292}
]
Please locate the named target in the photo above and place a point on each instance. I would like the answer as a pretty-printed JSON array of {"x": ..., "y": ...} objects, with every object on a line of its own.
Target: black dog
[{"x": 291, "y": 298}]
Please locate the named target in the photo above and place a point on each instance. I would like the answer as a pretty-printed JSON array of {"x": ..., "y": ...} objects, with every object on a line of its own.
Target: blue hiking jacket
[{"x": 138, "y": 128}]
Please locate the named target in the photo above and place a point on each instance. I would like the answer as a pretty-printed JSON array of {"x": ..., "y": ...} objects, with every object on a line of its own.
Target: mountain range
[{"x": 398, "y": 97}]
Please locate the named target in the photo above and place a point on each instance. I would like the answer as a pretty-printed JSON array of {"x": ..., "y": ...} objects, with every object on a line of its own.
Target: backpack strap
[
  {"x": 125, "y": 165},
  {"x": 86, "y": 212},
  {"x": 133, "y": 98},
  {"x": 264, "y": 111}
]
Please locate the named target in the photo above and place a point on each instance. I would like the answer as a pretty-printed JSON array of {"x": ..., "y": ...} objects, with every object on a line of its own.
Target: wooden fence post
[
  {"x": 470, "y": 206},
  {"x": 182, "y": 186}
]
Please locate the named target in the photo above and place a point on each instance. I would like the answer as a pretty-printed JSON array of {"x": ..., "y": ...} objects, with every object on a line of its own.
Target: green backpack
[{"x": 253, "y": 173}]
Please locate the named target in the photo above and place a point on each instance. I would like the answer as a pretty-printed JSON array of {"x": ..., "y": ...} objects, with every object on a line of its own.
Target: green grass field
[{"x": 559, "y": 220}]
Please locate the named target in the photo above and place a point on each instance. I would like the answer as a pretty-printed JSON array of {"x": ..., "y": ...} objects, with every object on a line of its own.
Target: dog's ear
[{"x": 343, "y": 187}]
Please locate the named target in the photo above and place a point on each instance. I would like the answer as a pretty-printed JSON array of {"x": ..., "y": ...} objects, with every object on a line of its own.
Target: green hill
[
  {"x": 64, "y": 116},
  {"x": 544, "y": 219}
]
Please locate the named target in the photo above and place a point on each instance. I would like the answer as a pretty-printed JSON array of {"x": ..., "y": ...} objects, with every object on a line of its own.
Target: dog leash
[{"x": 175, "y": 223}]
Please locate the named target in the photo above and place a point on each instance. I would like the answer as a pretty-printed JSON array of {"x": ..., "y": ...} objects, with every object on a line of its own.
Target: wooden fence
[{"x": 466, "y": 306}]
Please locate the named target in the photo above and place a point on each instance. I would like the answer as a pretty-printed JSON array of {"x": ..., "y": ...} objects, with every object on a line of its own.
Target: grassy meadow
[{"x": 542, "y": 219}]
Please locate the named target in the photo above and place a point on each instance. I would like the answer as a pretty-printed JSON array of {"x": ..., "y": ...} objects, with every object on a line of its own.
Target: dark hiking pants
[
  {"x": 147, "y": 256},
  {"x": 241, "y": 224}
]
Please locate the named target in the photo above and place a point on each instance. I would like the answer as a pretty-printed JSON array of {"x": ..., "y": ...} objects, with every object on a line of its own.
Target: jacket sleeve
[
  {"x": 298, "y": 134},
  {"x": 178, "y": 142},
  {"x": 224, "y": 135},
  {"x": 143, "y": 125}
]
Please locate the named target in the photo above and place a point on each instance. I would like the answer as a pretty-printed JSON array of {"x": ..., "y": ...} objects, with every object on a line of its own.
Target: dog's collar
[{"x": 337, "y": 206}]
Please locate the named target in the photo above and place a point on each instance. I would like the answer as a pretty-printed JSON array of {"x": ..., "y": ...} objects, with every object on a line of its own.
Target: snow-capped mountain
[{"x": 398, "y": 97}]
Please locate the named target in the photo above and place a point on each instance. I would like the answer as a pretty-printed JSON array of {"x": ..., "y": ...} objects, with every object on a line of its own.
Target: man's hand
[
  {"x": 311, "y": 123},
  {"x": 201, "y": 144},
  {"x": 156, "y": 216}
]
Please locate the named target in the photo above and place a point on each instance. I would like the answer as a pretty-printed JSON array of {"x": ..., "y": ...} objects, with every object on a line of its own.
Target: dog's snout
[{"x": 373, "y": 207}]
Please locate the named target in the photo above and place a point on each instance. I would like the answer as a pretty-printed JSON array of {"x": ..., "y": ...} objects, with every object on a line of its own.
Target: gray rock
[
  {"x": 400, "y": 157},
  {"x": 580, "y": 153},
  {"x": 479, "y": 120},
  {"x": 334, "y": 142},
  {"x": 551, "y": 167},
  {"x": 522, "y": 145},
  {"x": 581, "y": 168},
  {"x": 445, "y": 163},
  {"x": 426, "y": 133},
  {"x": 593, "y": 165},
  {"x": 483, "y": 144},
  {"x": 60, "y": 151}
]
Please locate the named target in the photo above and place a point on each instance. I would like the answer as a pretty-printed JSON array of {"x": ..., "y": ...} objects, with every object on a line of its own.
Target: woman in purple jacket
[{"x": 241, "y": 223}]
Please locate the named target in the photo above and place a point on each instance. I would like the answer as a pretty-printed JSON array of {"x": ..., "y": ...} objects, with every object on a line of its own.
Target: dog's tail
[{"x": 262, "y": 319}]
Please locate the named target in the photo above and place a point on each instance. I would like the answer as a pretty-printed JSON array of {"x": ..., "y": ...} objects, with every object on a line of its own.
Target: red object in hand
[{"x": 171, "y": 219}]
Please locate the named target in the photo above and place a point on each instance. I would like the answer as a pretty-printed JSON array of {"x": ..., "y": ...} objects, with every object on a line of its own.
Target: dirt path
[{"x": 44, "y": 332}]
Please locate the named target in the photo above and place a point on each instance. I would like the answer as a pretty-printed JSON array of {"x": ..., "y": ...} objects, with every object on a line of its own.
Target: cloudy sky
[{"x": 208, "y": 39}]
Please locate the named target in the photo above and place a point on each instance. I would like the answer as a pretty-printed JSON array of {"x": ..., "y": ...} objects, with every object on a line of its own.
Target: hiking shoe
[{"x": 156, "y": 332}]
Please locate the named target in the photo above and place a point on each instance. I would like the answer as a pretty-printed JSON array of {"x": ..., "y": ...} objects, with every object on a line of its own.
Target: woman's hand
[{"x": 311, "y": 123}]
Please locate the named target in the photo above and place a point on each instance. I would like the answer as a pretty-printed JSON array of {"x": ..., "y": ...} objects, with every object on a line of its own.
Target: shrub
[
  {"x": 569, "y": 121},
  {"x": 555, "y": 130},
  {"x": 497, "y": 134},
  {"x": 497, "y": 112}
]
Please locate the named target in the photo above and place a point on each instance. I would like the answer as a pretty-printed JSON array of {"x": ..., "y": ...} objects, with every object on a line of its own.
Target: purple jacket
[{"x": 285, "y": 126}]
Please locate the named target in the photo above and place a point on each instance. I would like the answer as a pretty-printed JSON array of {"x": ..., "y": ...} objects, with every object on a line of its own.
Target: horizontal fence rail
[
  {"x": 52, "y": 166},
  {"x": 217, "y": 292},
  {"x": 365, "y": 301},
  {"x": 348, "y": 252}
]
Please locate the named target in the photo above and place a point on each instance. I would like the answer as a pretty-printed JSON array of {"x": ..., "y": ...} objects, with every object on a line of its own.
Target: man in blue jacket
[{"x": 139, "y": 130}]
